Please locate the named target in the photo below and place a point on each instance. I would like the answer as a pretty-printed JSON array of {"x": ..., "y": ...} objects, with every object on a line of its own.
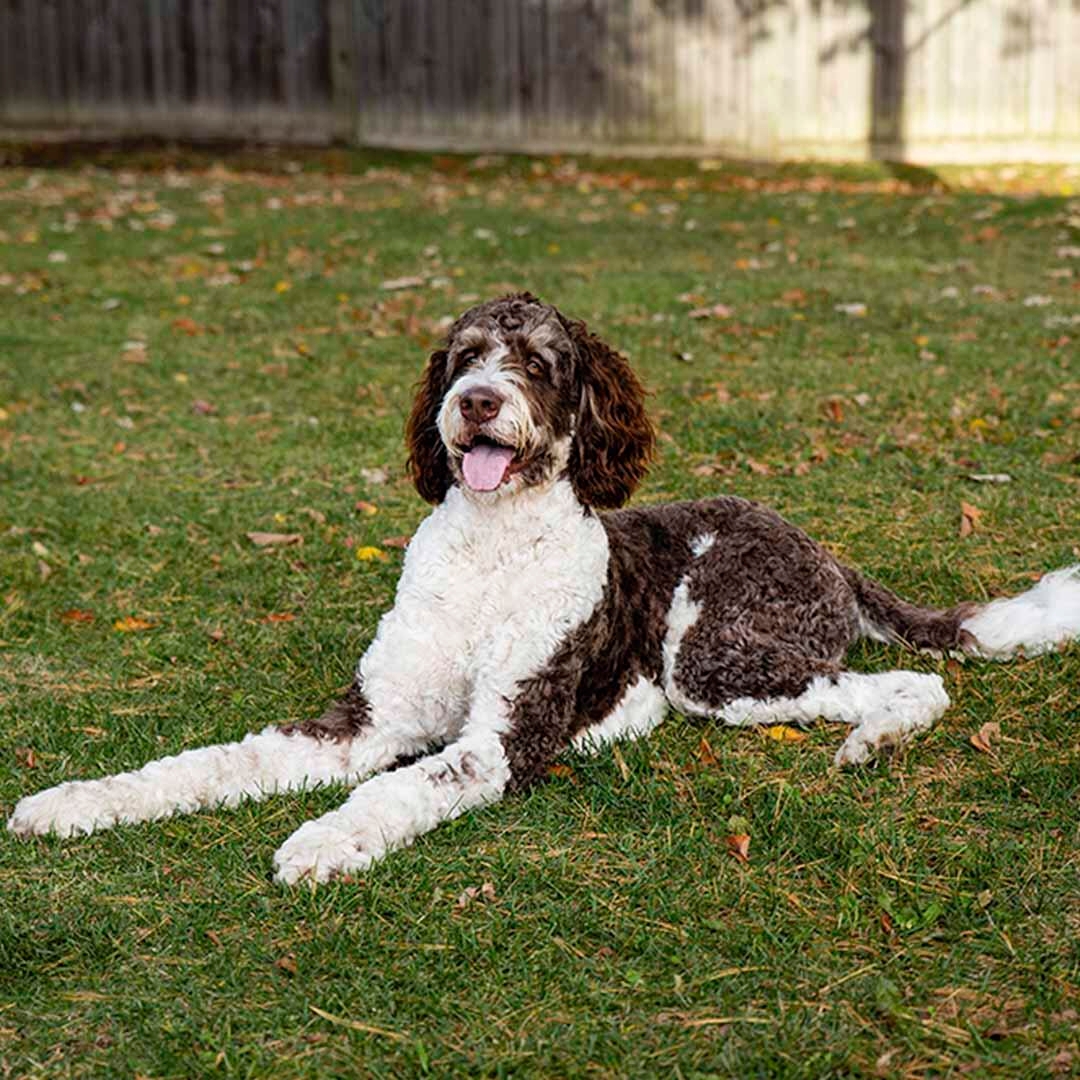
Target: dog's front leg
[
  {"x": 390, "y": 810},
  {"x": 346, "y": 743},
  {"x": 508, "y": 742}
]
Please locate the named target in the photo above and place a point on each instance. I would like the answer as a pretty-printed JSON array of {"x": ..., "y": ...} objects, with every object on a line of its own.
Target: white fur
[
  {"x": 1037, "y": 621},
  {"x": 682, "y": 614},
  {"x": 641, "y": 709},
  {"x": 210, "y": 776},
  {"x": 700, "y": 544},
  {"x": 489, "y": 592},
  {"x": 884, "y": 708}
]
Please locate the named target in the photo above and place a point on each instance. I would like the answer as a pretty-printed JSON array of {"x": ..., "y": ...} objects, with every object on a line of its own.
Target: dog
[{"x": 533, "y": 615}]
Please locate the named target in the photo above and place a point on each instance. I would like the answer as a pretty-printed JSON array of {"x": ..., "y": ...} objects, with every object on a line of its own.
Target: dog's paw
[
  {"x": 66, "y": 810},
  {"x": 320, "y": 851}
]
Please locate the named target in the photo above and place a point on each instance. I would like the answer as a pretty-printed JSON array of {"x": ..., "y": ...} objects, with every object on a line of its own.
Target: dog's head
[{"x": 521, "y": 395}]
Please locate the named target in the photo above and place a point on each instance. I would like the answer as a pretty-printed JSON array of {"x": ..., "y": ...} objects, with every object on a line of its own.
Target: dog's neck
[{"x": 551, "y": 506}]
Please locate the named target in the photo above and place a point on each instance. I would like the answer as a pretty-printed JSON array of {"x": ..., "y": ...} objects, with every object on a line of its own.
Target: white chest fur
[{"x": 490, "y": 589}]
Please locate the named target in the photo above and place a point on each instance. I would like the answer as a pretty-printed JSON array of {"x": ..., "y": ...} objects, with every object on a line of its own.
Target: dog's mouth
[{"x": 486, "y": 463}]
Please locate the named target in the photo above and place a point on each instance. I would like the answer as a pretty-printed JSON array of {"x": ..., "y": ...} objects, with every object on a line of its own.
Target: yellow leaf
[
  {"x": 282, "y": 287},
  {"x": 366, "y": 554},
  {"x": 366, "y": 508},
  {"x": 783, "y": 733},
  {"x": 131, "y": 624}
]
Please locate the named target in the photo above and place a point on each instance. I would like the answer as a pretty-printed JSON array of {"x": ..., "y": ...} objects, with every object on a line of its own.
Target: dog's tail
[{"x": 1041, "y": 620}]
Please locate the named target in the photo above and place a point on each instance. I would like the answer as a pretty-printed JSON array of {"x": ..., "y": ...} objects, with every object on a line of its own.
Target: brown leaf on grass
[
  {"x": 272, "y": 539},
  {"x": 563, "y": 772},
  {"x": 400, "y": 542},
  {"x": 188, "y": 326},
  {"x": 969, "y": 519},
  {"x": 131, "y": 624},
  {"x": 367, "y": 508},
  {"x": 705, "y": 753},
  {"x": 278, "y": 617},
  {"x": 203, "y": 408},
  {"x": 74, "y": 616},
  {"x": 26, "y": 757},
  {"x": 286, "y": 963},
  {"x": 986, "y": 736},
  {"x": 482, "y": 893},
  {"x": 716, "y": 311},
  {"x": 738, "y": 845}
]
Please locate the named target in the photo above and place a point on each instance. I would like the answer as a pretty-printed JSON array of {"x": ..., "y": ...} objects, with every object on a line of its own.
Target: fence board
[{"x": 923, "y": 79}]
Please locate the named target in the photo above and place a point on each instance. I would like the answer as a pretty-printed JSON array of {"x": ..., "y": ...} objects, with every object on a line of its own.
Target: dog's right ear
[{"x": 428, "y": 465}]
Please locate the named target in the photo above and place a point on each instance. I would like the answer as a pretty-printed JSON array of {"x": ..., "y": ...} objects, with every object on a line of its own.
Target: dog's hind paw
[{"x": 320, "y": 850}]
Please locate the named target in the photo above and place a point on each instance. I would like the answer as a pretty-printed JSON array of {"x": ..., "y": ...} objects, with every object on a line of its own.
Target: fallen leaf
[
  {"x": 783, "y": 733},
  {"x": 990, "y": 478},
  {"x": 738, "y": 845},
  {"x": 76, "y": 615},
  {"x": 563, "y": 772},
  {"x": 969, "y": 519},
  {"x": 395, "y": 284},
  {"x": 400, "y": 542},
  {"x": 25, "y": 756},
  {"x": 271, "y": 539},
  {"x": 374, "y": 476},
  {"x": 366, "y": 507},
  {"x": 855, "y": 310},
  {"x": 717, "y": 311},
  {"x": 705, "y": 753},
  {"x": 131, "y": 624},
  {"x": 203, "y": 408},
  {"x": 986, "y": 736},
  {"x": 278, "y": 617},
  {"x": 286, "y": 963},
  {"x": 483, "y": 893},
  {"x": 367, "y": 554},
  {"x": 39, "y": 549}
]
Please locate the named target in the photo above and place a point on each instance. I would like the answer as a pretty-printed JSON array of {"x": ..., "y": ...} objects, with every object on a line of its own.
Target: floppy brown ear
[
  {"x": 614, "y": 438},
  {"x": 428, "y": 465}
]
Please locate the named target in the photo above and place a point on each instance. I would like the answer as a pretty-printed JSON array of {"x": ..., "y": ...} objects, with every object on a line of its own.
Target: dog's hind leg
[
  {"x": 731, "y": 673},
  {"x": 343, "y": 745}
]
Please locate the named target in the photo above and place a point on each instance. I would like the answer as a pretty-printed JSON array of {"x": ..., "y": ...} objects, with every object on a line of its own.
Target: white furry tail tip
[{"x": 1038, "y": 621}]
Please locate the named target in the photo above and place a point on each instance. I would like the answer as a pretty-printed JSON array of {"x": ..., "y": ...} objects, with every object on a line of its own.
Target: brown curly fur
[
  {"x": 614, "y": 440},
  {"x": 427, "y": 462}
]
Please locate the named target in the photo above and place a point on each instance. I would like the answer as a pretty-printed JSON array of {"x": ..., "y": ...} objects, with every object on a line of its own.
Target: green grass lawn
[{"x": 189, "y": 355}]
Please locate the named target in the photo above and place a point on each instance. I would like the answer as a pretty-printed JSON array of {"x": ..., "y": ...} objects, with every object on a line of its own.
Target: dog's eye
[
  {"x": 468, "y": 356},
  {"x": 535, "y": 366}
]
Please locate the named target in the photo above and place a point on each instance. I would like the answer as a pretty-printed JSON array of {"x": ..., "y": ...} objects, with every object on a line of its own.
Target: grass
[{"x": 190, "y": 354}]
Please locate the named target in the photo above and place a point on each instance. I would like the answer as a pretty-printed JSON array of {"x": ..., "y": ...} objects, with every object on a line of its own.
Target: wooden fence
[{"x": 923, "y": 80}]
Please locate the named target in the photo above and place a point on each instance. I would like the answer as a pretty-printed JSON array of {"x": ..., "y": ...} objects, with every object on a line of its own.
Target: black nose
[{"x": 480, "y": 404}]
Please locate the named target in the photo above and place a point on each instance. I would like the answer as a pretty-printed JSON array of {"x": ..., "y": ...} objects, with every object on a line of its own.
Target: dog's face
[
  {"x": 508, "y": 416},
  {"x": 520, "y": 396}
]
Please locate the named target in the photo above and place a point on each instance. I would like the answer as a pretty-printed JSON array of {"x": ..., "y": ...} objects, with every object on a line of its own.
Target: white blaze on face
[{"x": 485, "y": 465}]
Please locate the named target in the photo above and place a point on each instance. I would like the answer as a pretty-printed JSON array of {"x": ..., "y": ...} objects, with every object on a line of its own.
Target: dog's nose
[{"x": 480, "y": 404}]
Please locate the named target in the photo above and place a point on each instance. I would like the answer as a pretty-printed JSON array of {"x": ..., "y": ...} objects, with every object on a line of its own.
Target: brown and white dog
[{"x": 526, "y": 621}]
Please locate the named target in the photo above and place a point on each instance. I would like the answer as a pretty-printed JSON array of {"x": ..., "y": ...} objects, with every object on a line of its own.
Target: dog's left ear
[
  {"x": 613, "y": 437},
  {"x": 428, "y": 465}
]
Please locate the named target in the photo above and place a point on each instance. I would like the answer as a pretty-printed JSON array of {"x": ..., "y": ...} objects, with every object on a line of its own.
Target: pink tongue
[{"x": 485, "y": 466}]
